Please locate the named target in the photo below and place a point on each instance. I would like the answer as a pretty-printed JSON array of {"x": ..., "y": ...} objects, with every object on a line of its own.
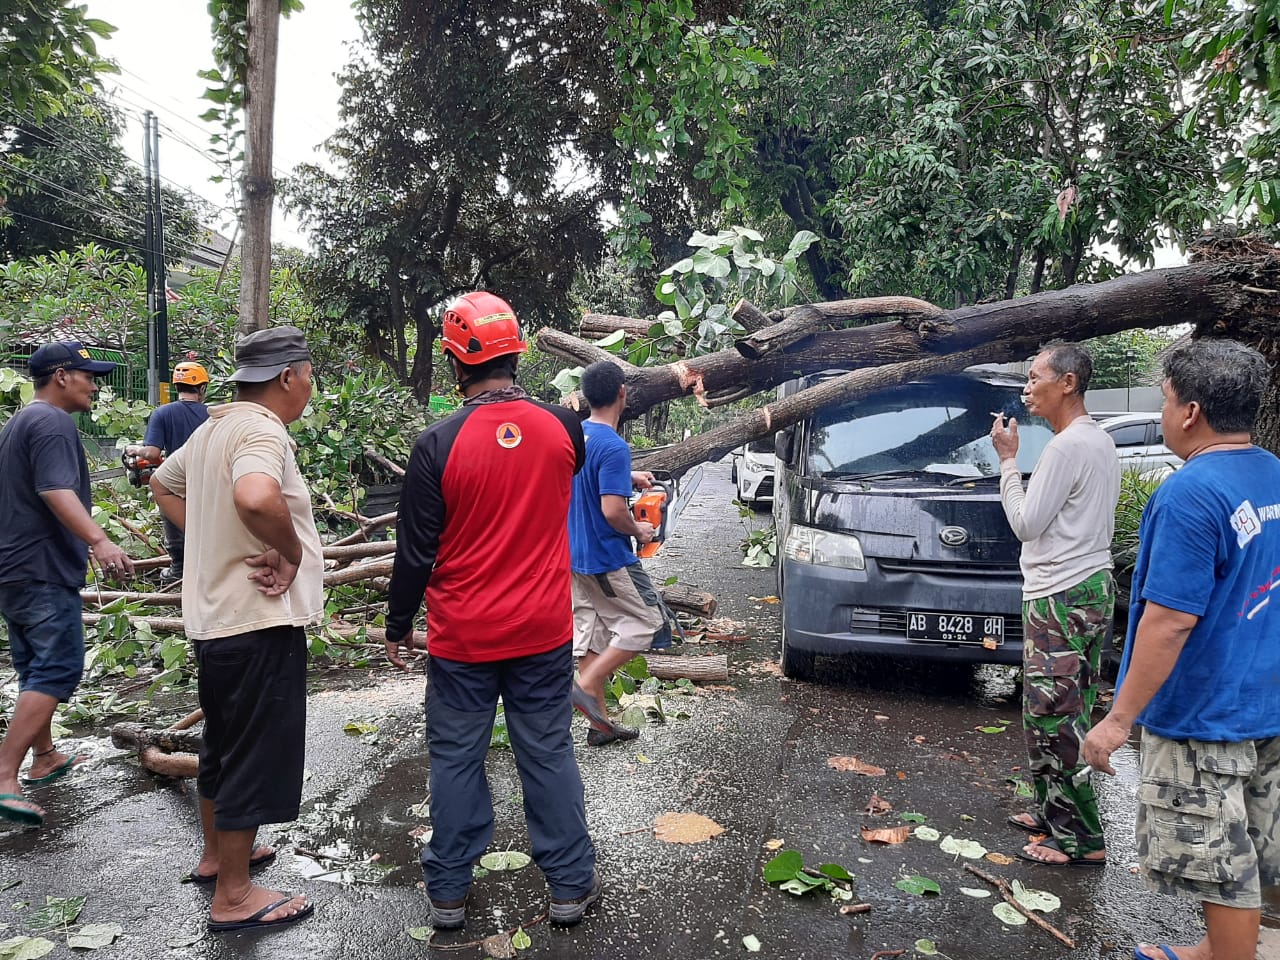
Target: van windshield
[{"x": 937, "y": 426}]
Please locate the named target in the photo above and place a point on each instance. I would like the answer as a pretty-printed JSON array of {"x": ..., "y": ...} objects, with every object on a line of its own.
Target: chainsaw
[
  {"x": 650, "y": 506},
  {"x": 138, "y": 469}
]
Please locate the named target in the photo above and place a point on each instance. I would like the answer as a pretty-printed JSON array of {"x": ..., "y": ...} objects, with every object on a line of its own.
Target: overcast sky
[{"x": 160, "y": 46}]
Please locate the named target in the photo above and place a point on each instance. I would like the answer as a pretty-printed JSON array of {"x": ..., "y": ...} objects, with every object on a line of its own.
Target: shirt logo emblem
[
  {"x": 509, "y": 436},
  {"x": 1245, "y": 523}
]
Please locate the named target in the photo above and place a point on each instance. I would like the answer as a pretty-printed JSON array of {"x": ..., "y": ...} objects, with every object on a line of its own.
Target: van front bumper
[{"x": 833, "y": 611}]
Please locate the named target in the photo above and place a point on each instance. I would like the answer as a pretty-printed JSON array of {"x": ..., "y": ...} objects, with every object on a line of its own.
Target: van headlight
[{"x": 807, "y": 545}]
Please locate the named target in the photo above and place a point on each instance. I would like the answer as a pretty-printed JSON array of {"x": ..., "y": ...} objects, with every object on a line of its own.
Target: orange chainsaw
[
  {"x": 651, "y": 506},
  {"x": 138, "y": 469}
]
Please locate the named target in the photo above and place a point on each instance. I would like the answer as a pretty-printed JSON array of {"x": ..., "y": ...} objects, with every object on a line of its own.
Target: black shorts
[{"x": 253, "y": 690}]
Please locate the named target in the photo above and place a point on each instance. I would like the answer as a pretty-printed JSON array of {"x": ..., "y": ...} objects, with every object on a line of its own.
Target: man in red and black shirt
[{"x": 483, "y": 531}]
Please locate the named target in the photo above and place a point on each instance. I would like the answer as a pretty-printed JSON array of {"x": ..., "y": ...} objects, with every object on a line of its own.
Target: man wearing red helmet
[
  {"x": 483, "y": 532},
  {"x": 170, "y": 426}
]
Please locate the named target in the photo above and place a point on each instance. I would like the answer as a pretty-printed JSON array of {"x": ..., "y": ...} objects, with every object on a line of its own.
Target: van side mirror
[{"x": 784, "y": 442}]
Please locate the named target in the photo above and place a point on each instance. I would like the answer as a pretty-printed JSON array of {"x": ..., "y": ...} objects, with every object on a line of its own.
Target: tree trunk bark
[
  {"x": 1229, "y": 298},
  {"x": 1226, "y": 295},
  {"x": 687, "y": 600},
  {"x": 259, "y": 183},
  {"x": 715, "y": 667}
]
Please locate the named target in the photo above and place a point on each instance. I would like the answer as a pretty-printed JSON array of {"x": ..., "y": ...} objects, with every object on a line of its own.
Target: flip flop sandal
[
  {"x": 256, "y": 922},
  {"x": 1073, "y": 862},
  {"x": 11, "y": 811},
  {"x": 1039, "y": 826},
  {"x": 64, "y": 768},
  {"x": 206, "y": 878},
  {"x": 1162, "y": 947}
]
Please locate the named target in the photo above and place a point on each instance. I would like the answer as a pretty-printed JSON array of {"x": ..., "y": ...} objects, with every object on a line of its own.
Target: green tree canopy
[
  {"x": 984, "y": 148},
  {"x": 68, "y": 182},
  {"x": 48, "y": 49}
]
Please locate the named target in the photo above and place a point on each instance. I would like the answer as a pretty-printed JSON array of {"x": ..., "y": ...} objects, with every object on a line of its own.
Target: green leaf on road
[
  {"x": 918, "y": 885},
  {"x": 1040, "y": 900},
  {"x": 835, "y": 871},
  {"x": 783, "y": 867},
  {"x": 926, "y": 947},
  {"x": 992, "y": 729},
  {"x": 969, "y": 849},
  {"x": 505, "y": 860},
  {"x": 24, "y": 948},
  {"x": 926, "y": 833},
  {"x": 56, "y": 912},
  {"x": 420, "y": 933},
  {"x": 752, "y": 943},
  {"x": 912, "y": 817},
  {"x": 521, "y": 940},
  {"x": 360, "y": 728},
  {"x": 93, "y": 936},
  {"x": 976, "y": 892},
  {"x": 1007, "y": 915}
]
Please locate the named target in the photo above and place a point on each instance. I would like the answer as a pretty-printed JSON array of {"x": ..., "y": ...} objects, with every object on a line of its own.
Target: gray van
[{"x": 891, "y": 536}]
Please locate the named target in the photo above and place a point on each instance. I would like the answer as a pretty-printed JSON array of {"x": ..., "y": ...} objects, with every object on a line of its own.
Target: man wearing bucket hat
[
  {"x": 254, "y": 580},
  {"x": 46, "y": 544}
]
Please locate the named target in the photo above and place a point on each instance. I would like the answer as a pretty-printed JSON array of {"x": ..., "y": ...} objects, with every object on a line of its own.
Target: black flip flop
[
  {"x": 256, "y": 922},
  {"x": 206, "y": 878},
  {"x": 1038, "y": 827},
  {"x": 1052, "y": 844}
]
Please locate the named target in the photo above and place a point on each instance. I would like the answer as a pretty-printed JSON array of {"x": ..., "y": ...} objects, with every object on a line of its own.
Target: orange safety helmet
[
  {"x": 478, "y": 327},
  {"x": 191, "y": 374}
]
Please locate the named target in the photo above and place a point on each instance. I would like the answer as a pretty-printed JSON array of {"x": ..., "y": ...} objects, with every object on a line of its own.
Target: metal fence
[{"x": 126, "y": 380}]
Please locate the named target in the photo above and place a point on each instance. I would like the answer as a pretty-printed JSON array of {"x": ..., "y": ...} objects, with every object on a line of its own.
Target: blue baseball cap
[{"x": 66, "y": 355}]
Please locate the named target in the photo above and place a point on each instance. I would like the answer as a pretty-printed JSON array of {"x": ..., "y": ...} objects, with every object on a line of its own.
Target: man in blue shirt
[
  {"x": 1201, "y": 669},
  {"x": 46, "y": 543},
  {"x": 616, "y": 610},
  {"x": 170, "y": 426}
]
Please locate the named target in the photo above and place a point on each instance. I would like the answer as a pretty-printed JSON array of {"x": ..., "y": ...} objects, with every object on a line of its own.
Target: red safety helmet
[
  {"x": 478, "y": 327},
  {"x": 191, "y": 374}
]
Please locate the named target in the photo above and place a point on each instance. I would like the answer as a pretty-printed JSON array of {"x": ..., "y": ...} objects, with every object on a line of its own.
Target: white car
[
  {"x": 1139, "y": 440},
  {"x": 752, "y": 471}
]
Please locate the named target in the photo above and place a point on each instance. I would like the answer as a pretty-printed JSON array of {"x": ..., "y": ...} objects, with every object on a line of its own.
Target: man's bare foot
[
  {"x": 254, "y": 900},
  {"x": 1046, "y": 851},
  {"x": 1164, "y": 951},
  {"x": 1028, "y": 821},
  {"x": 207, "y": 868}
]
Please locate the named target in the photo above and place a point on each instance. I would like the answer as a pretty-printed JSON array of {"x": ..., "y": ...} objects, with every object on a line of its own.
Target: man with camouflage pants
[
  {"x": 1202, "y": 656},
  {"x": 1065, "y": 518}
]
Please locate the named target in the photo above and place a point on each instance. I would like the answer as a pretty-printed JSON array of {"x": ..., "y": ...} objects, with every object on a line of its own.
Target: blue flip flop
[
  {"x": 10, "y": 811},
  {"x": 1162, "y": 947},
  {"x": 72, "y": 761}
]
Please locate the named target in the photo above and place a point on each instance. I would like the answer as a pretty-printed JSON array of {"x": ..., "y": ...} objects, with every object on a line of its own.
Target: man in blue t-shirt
[
  {"x": 170, "y": 426},
  {"x": 46, "y": 542},
  {"x": 616, "y": 610},
  {"x": 1201, "y": 668}
]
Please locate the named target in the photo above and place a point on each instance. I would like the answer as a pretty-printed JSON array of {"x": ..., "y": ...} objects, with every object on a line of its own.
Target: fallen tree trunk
[
  {"x": 1225, "y": 295},
  {"x": 135, "y": 735},
  {"x": 763, "y": 421},
  {"x": 664, "y": 667},
  {"x": 597, "y": 326},
  {"x": 687, "y": 600}
]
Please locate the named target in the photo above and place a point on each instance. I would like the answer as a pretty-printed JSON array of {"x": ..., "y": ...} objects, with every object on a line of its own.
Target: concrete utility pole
[{"x": 259, "y": 184}]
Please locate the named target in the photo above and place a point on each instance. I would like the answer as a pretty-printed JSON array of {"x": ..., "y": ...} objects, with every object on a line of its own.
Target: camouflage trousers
[
  {"x": 1208, "y": 822},
  {"x": 1061, "y": 659}
]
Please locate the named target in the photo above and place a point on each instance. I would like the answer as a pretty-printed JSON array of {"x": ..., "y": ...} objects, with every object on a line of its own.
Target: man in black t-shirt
[{"x": 46, "y": 543}]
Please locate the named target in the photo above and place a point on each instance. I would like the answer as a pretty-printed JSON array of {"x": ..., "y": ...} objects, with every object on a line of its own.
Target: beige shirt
[
  {"x": 218, "y": 599},
  {"x": 1066, "y": 516}
]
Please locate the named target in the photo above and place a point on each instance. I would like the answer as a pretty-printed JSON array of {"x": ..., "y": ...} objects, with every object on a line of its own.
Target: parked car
[
  {"x": 892, "y": 539},
  {"x": 752, "y": 472},
  {"x": 1139, "y": 440}
]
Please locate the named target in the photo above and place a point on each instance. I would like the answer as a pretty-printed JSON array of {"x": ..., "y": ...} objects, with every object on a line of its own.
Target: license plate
[{"x": 975, "y": 628}]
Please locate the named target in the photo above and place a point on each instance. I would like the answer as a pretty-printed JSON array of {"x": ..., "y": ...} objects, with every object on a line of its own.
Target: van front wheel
[{"x": 796, "y": 664}]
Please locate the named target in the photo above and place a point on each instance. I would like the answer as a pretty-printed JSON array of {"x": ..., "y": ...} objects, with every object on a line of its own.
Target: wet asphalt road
[{"x": 752, "y": 756}]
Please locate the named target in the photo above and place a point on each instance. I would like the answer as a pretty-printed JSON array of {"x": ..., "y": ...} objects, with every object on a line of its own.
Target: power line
[
  {"x": 114, "y": 241},
  {"x": 69, "y": 197}
]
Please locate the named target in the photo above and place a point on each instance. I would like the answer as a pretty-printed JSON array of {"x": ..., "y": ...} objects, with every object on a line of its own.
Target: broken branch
[{"x": 1007, "y": 892}]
